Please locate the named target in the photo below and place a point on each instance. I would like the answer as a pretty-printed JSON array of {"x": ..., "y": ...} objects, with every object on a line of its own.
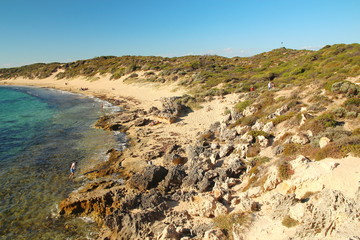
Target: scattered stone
[{"x": 324, "y": 141}]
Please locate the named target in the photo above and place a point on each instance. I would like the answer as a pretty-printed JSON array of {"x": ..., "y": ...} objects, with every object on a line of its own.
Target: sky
[{"x": 33, "y": 31}]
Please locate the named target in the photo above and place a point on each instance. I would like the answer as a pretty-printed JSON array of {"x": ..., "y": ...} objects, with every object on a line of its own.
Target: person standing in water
[{"x": 72, "y": 169}]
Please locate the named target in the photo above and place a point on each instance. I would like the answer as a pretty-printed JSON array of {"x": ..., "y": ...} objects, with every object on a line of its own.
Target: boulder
[
  {"x": 149, "y": 178},
  {"x": 248, "y": 111},
  {"x": 268, "y": 127},
  {"x": 300, "y": 139},
  {"x": 214, "y": 234},
  {"x": 258, "y": 126},
  {"x": 263, "y": 141},
  {"x": 169, "y": 233},
  {"x": 324, "y": 141},
  {"x": 225, "y": 150},
  {"x": 174, "y": 178}
]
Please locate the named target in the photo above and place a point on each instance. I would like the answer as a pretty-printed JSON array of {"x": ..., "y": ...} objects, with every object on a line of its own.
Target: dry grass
[
  {"x": 289, "y": 222},
  {"x": 226, "y": 222}
]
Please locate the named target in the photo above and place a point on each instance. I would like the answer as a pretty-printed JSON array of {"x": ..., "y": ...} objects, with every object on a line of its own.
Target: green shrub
[
  {"x": 352, "y": 104},
  {"x": 339, "y": 112},
  {"x": 256, "y": 133},
  {"x": 249, "y": 120},
  {"x": 226, "y": 222},
  {"x": 284, "y": 170},
  {"x": 240, "y": 106},
  {"x": 291, "y": 149},
  {"x": 327, "y": 120},
  {"x": 282, "y": 118}
]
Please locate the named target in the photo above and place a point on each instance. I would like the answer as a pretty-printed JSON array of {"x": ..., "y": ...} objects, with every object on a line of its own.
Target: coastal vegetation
[{"x": 210, "y": 75}]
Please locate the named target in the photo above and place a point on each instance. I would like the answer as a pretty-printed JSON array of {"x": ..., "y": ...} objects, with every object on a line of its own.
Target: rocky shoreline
[{"x": 205, "y": 188}]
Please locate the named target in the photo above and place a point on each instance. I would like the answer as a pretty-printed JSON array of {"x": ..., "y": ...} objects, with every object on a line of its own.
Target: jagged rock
[
  {"x": 195, "y": 175},
  {"x": 255, "y": 192},
  {"x": 171, "y": 109},
  {"x": 133, "y": 225},
  {"x": 300, "y": 139},
  {"x": 225, "y": 150},
  {"x": 324, "y": 141},
  {"x": 263, "y": 141},
  {"x": 149, "y": 178},
  {"x": 235, "y": 168},
  {"x": 305, "y": 117},
  {"x": 151, "y": 199},
  {"x": 258, "y": 126},
  {"x": 141, "y": 122},
  {"x": 272, "y": 179},
  {"x": 278, "y": 112},
  {"x": 247, "y": 138},
  {"x": 214, "y": 234},
  {"x": 235, "y": 115},
  {"x": 214, "y": 145},
  {"x": 278, "y": 149},
  {"x": 280, "y": 204},
  {"x": 242, "y": 148},
  {"x": 174, "y": 178},
  {"x": 214, "y": 157},
  {"x": 94, "y": 199},
  {"x": 328, "y": 214},
  {"x": 250, "y": 110},
  {"x": 204, "y": 205},
  {"x": 169, "y": 233},
  {"x": 242, "y": 129},
  {"x": 227, "y": 134},
  {"x": 174, "y": 158},
  {"x": 268, "y": 127}
]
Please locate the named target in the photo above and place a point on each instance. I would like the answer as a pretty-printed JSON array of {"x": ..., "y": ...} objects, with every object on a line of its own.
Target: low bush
[
  {"x": 284, "y": 170},
  {"x": 226, "y": 222},
  {"x": 282, "y": 118},
  {"x": 291, "y": 149},
  {"x": 289, "y": 222},
  {"x": 256, "y": 133},
  {"x": 240, "y": 106}
]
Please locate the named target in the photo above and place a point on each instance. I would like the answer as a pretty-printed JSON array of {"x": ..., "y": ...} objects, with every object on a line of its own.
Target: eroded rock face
[
  {"x": 95, "y": 199},
  {"x": 149, "y": 178},
  {"x": 171, "y": 109},
  {"x": 174, "y": 178},
  {"x": 328, "y": 214}
]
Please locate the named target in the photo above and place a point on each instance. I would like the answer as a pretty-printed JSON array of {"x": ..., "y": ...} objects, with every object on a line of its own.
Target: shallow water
[{"x": 41, "y": 132}]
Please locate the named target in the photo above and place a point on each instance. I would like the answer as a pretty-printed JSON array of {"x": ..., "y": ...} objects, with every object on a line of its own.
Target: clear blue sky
[{"x": 67, "y": 30}]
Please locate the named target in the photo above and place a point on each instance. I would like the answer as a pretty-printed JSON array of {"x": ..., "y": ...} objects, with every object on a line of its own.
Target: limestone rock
[
  {"x": 300, "y": 139},
  {"x": 324, "y": 141},
  {"x": 225, "y": 150},
  {"x": 169, "y": 233},
  {"x": 242, "y": 129},
  {"x": 250, "y": 110},
  {"x": 268, "y": 127},
  {"x": 258, "y": 126},
  {"x": 149, "y": 178},
  {"x": 263, "y": 141},
  {"x": 214, "y": 234}
]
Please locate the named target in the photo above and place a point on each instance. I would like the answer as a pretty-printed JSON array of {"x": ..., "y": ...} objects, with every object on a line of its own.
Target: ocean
[{"x": 41, "y": 132}]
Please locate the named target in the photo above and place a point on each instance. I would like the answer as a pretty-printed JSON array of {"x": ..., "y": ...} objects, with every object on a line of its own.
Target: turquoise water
[{"x": 41, "y": 132}]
